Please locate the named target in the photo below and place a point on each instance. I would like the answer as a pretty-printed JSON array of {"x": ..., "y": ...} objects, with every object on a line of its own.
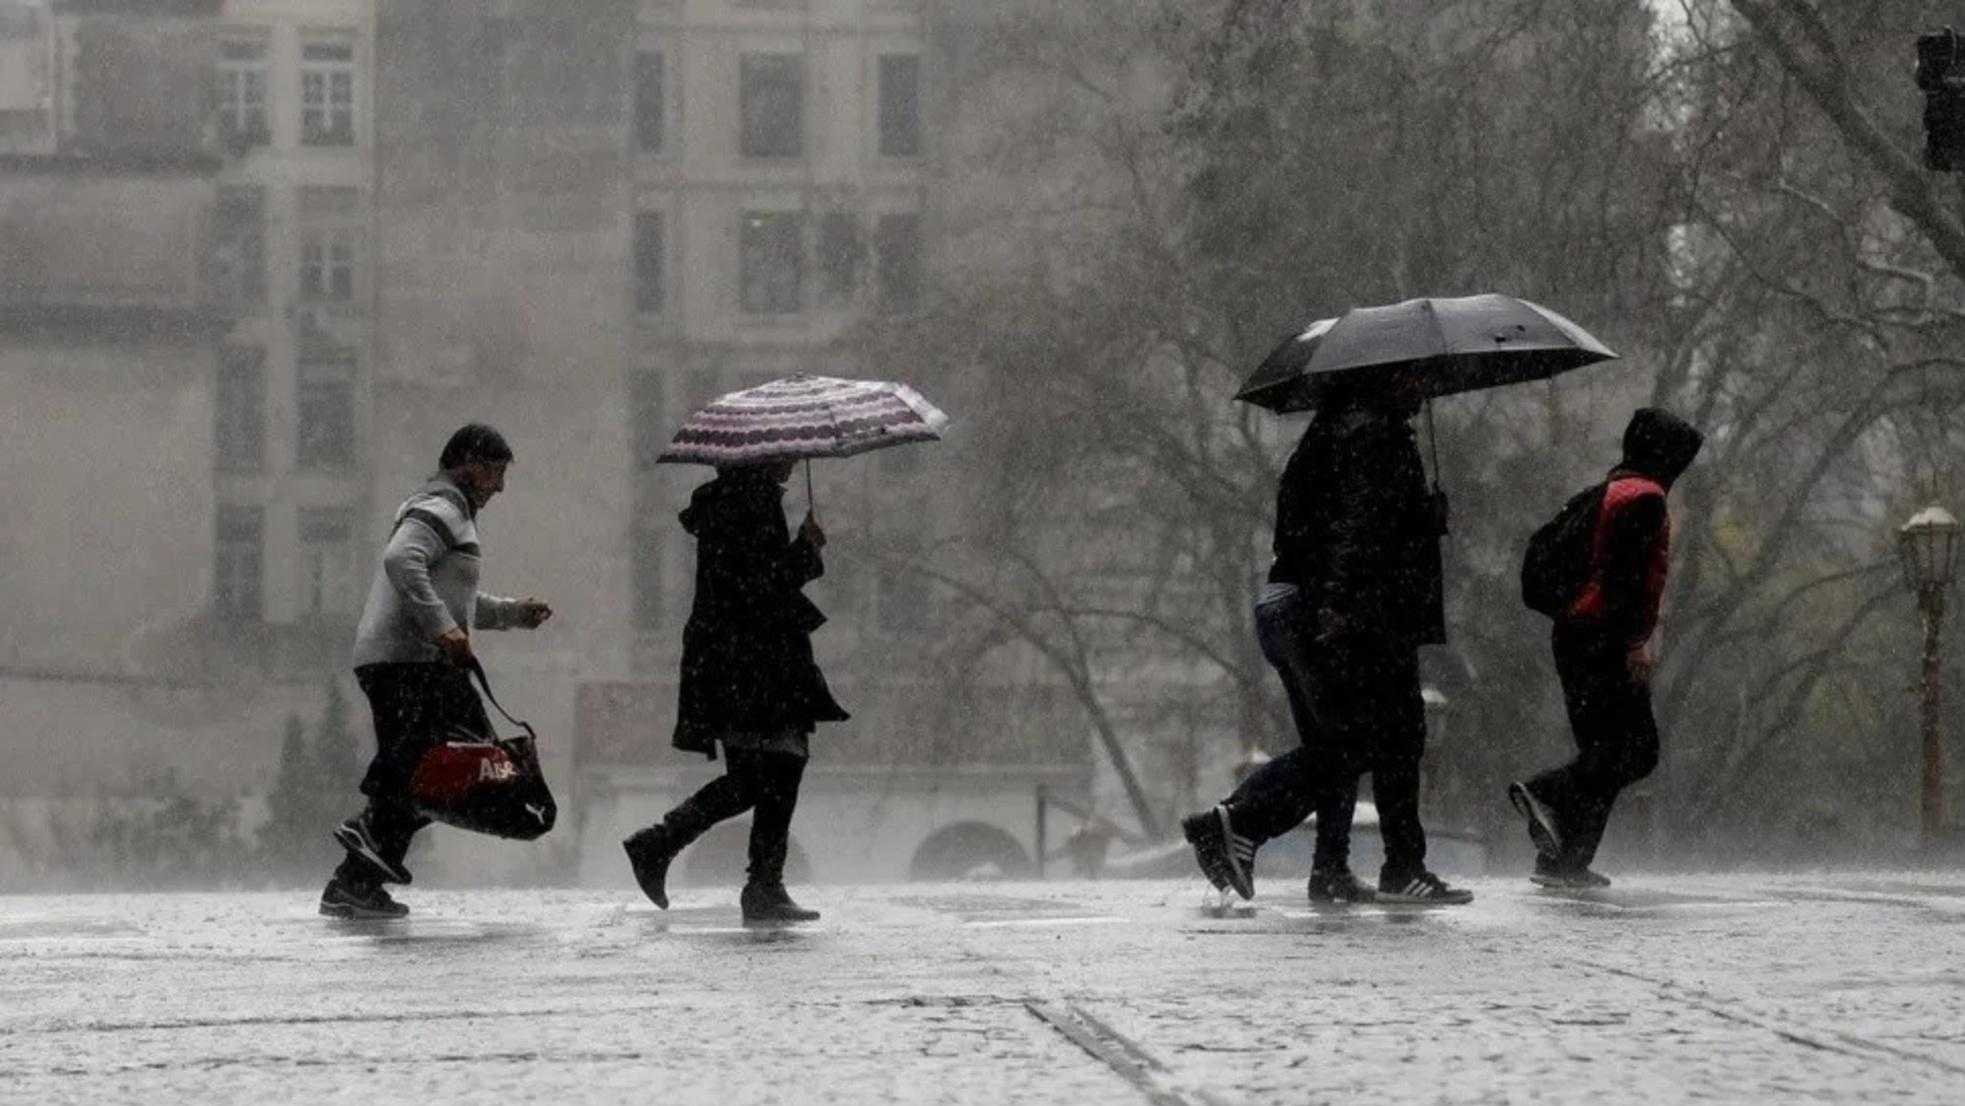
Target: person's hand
[
  {"x": 1639, "y": 664},
  {"x": 533, "y": 611},
  {"x": 810, "y": 531},
  {"x": 1331, "y": 624},
  {"x": 456, "y": 644}
]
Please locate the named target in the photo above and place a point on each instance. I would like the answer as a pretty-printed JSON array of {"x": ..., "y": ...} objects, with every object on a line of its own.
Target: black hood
[
  {"x": 730, "y": 486},
  {"x": 1660, "y": 445}
]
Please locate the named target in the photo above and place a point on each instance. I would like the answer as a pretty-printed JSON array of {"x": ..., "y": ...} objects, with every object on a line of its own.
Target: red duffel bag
[{"x": 491, "y": 786}]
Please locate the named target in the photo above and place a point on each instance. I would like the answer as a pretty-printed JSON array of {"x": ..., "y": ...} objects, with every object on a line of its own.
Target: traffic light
[{"x": 1941, "y": 76}]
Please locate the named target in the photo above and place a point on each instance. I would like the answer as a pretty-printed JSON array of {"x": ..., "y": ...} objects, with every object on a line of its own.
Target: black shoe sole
[{"x": 348, "y": 912}]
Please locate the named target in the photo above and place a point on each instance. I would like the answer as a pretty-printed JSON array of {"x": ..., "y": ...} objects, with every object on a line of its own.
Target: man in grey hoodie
[{"x": 412, "y": 651}]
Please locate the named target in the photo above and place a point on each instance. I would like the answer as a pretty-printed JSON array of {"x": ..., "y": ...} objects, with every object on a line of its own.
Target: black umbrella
[{"x": 1454, "y": 345}]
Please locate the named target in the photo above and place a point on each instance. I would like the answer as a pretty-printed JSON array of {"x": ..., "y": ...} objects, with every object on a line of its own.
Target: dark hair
[{"x": 474, "y": 442}]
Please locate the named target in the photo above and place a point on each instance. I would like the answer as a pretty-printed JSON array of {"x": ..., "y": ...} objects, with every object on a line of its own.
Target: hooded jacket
[
  {"x": 1631, "y": 552},
  {"x": 1356, "y": 529},
  {"x": 747, "y": 661}
]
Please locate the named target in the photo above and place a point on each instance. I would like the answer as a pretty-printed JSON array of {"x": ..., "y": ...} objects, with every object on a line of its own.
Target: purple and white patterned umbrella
[{"x": 804, "y": 417}]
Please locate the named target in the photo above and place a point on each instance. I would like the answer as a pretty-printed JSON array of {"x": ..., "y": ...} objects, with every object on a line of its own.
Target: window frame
[
  {"x": 752, "y": 248},
  {"x": 239, "y": 564},
  {"x": 899, "y": 120},
  {"x": 316, "y": 371},
  {"x": 238, "y": 434},
  {"x": 238, "y": 80},
  {"x": 328, "y": 89},
  {"x": 755, "y": 83}
]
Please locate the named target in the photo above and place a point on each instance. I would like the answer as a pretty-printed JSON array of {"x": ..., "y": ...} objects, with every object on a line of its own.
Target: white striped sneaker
[{"x": 1422, "y": 888}]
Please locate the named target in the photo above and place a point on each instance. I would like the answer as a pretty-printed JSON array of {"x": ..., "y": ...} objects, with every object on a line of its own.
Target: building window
[
  {"x": 242, "y": 74},
  {"x": 238, "y": 250},
  {"x": 897, "y": 260},
  {"x": 327, "y": 561},
  {"x": 771, "y": 97},
  {"x": 646, "y": 557},
  {"x": 900, "y": 105},
  {"x": 841, "y": 247},
  {"x": 649, "y": 262},
  {"x": 324, "y": 408},
  {"x": 651, "y": 101},
  {"x": 330, "y": 226},
  {"x": 238, "y": 553},
  {"x": 772, "y": 260},
  {"x": 239, "y": 409},
  {"x": 650, "y": 428},
  {"x": 327, "y": 93}
]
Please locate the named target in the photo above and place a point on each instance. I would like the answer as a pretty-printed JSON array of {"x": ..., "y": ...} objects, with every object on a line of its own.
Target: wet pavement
[{"x": 1795, "y": 988}]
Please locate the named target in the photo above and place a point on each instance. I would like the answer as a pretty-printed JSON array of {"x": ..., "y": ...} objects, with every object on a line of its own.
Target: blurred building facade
[{"x": 280, "y": 248}]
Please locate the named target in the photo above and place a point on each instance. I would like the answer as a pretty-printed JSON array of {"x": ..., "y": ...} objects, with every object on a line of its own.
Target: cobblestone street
[{"x": 1829, "y": 988}]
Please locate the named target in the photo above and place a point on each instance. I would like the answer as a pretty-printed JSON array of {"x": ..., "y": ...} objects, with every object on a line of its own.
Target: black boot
[
  {"x": 769, "y": 904},
  {"x": 650, "y": 852}
]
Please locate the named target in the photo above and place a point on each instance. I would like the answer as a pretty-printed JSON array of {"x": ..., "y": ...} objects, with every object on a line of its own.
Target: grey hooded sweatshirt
[{"x": 427, "y": 582}]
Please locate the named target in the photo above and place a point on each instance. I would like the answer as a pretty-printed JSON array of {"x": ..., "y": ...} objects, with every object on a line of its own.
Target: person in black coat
[
  {"x": 1355, "y": 589},
  {"x": 749, "y": 683}
]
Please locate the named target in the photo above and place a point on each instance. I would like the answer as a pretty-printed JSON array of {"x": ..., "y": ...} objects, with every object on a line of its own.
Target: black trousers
[
  {"x": 1357, "y": 707},
  {"x": 765, "y": 783},
  {"x": 1616, "y": 738},
  {"x": 415, "y": 706}
]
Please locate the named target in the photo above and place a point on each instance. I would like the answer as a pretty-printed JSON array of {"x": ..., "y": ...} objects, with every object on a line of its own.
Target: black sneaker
[
  {"x": 650, "y": 853},
  {"x": 1338, "y": 885},
  {"x": 354, "y": 836},
  {"x": 339, "y": 900},
  {"x": 1225, "y": 857},
  {"x": 1566, "y": 879},
  {"x": 1421, "y": 888},
  {"x": 772, "y": 906},
  {"x": 1541, "y": 820}
]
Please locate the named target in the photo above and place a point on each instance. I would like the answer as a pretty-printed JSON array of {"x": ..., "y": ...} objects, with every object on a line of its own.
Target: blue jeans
[{"x": 1357, "y": 708}]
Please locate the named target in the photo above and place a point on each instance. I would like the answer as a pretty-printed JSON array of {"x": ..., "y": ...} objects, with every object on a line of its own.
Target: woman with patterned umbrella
[{"x": 749, "y": 682}]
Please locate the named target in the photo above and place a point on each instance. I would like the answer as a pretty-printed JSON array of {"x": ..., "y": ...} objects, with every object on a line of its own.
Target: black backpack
[{"x": 1557, "y": 563}]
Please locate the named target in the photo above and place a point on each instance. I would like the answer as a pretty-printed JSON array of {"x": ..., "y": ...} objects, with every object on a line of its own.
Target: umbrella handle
[
  {"x": 1432, "y": 440},
  {"x": 811, "y": 506},
  {"x": 1439, "y": 494}
]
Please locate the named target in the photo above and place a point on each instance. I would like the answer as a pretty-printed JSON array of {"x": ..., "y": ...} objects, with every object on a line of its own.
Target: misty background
[{"x": 257, "y": 259}]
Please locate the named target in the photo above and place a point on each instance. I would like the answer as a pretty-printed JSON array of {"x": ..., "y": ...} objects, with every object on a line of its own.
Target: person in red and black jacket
[{"x": 1602, "y": 645}]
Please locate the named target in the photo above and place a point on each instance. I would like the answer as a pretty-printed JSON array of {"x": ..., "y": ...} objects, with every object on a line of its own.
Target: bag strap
[{"x": 477, "y": 669}]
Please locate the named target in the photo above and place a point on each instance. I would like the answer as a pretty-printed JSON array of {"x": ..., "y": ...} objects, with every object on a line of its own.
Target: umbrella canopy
[
  {"x": 803, "y": 417},
  {"x": 1458, "y": 345}
]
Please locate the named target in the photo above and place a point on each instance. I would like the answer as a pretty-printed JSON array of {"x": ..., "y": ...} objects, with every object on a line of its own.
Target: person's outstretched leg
[
  {"x": 1616, "y": 740},
  {"x": 652, "y": 850},
  {"x": 765, "y": 900}
]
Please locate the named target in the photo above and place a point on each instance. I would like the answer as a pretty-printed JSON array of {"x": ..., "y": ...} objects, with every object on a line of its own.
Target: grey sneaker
[{"x": 354, "y": 836}]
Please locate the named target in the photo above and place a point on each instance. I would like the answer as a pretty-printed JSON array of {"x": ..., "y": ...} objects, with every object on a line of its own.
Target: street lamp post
[{"x": 1929, "y": 545}]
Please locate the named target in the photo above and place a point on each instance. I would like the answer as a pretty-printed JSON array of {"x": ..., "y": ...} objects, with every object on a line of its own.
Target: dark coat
[
  {"x": 747, "y": 661},
  {"x": 1357, "y": 530}
]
